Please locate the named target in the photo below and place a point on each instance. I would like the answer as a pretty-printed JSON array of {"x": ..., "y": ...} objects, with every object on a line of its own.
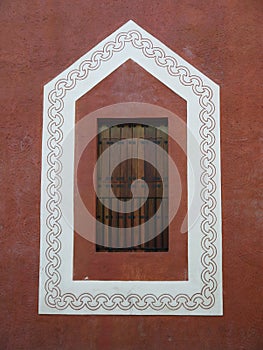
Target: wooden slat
[
  {"x": 140, "y": 214},
  {"x": 99, "y": 232},
  {"x": 126, "y": 176},
  {"x": 150, "y": 245},
  {"x": 115, "y": 134},
  {"x": 165, "y": 185},
  {"x": 165, "y": 236},
  {"x": 125, "y": 169},
  {"x": 106, "y": 182},
  {"x": 159, "y": 238},
  {"x": 150, "y": 135},
  {"x": 160, "y": 162}
]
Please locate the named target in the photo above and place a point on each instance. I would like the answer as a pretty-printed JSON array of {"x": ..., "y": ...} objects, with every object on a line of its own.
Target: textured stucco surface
[{"x": 39, "y": 40}]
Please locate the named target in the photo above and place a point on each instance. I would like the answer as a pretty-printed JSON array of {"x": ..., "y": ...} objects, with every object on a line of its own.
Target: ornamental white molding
[{"x": 201, "y": 294}]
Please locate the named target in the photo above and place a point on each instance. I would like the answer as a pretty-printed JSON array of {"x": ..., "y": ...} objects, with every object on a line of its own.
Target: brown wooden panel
[{"x": 122, "y": 180}]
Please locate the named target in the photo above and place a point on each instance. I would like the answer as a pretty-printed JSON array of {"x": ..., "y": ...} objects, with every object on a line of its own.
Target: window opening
[{"x": 121, "y": 181}]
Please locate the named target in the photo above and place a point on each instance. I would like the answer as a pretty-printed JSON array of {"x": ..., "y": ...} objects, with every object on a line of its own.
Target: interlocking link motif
[{"x": 54, "y": 297}]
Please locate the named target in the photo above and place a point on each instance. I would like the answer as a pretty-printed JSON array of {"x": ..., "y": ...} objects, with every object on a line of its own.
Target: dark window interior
[{"x": 123, "y": 176}]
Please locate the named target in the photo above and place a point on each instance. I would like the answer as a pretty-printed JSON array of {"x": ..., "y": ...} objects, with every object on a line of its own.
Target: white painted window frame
[{"x": 202, "y": 293}]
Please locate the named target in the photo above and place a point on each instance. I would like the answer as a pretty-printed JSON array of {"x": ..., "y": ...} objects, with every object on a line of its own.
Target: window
[
  {"x": 122, "y": 180},
  {"x": 58, "y": 292}
]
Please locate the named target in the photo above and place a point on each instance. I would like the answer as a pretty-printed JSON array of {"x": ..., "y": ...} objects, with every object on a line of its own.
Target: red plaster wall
[{"x": 39, "y": 40}]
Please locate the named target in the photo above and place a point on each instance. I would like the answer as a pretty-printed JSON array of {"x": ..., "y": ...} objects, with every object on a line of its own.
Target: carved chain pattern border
[{"x": 54, "y": 297}]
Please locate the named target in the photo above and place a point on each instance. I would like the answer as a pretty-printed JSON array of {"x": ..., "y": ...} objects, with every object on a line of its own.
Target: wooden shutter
[{"x": 121, "y": 180}]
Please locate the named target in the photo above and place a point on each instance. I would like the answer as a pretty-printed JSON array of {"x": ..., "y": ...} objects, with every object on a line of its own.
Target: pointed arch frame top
[{"x": 202, "y": 293}]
